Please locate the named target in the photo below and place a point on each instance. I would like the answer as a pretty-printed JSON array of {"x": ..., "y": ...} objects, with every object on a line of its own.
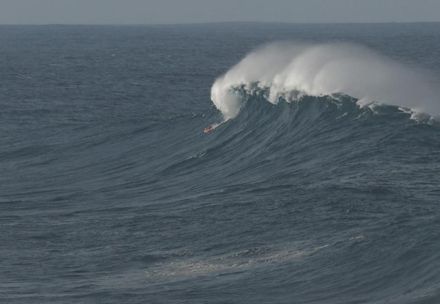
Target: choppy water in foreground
[{"x": 111, "y": 193}]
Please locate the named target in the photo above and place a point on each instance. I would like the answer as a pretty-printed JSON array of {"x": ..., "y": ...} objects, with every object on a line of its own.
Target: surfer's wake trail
[{"x": 291, "y": 71}]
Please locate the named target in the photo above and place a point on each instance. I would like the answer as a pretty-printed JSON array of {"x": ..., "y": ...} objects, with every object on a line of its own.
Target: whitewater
[{"x": 289, "y": 71}]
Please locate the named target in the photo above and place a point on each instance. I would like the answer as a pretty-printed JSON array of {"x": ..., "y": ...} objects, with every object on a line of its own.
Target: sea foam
[{"x": 289, "y": 71}]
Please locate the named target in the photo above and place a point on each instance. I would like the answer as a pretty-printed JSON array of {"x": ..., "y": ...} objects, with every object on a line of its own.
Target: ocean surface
[{"x": 110, "y": 191}]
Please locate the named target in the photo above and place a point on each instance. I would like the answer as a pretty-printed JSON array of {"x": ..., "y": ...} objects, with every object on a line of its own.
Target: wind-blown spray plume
[{"x": 290, "y": 71}]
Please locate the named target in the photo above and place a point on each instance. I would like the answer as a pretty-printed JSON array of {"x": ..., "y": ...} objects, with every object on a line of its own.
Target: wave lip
[{"x": 289, "y": 71}]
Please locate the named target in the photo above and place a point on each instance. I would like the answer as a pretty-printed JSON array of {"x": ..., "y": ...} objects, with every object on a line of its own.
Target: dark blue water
[{"x": 111, "y": 193}]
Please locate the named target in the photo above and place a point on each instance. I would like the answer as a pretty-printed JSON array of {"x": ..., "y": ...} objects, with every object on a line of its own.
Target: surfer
[
  {"x": 212, "y": 127},
  {"x": 208, "y": 129}
]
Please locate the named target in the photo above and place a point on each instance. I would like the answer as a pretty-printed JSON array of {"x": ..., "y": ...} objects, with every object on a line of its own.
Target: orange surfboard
[{"x": 208, "y": 129}]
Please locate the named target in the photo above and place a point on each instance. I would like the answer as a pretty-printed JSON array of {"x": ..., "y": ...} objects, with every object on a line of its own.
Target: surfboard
[{"x": 212, "y": 127}]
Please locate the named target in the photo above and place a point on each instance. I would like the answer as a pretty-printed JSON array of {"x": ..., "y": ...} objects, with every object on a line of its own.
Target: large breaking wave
[{"x": 286, "y": 71}]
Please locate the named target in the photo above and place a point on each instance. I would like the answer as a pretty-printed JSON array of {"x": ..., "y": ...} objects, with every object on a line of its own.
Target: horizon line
[{"x": 216, "y": 23}]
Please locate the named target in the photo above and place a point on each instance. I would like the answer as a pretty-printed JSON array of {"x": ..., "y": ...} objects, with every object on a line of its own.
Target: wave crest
[{"x": 288, "y": 71}]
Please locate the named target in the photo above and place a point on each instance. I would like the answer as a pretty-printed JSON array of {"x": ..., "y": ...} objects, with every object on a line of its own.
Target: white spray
[{"x": 325, "y": 69}]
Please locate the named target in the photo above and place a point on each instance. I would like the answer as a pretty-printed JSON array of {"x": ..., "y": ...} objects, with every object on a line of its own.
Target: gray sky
[{"x": 193, "y": 11}]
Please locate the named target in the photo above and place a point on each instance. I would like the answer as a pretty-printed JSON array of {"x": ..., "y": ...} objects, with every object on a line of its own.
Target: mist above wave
[{"x": 289, "y": 71}]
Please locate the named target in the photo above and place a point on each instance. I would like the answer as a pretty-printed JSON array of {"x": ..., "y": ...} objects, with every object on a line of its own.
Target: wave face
[
  {"x": 358, "y": 187},
  {"x": 291, "y": 70},
  {"x": 110, "y": 191}
]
